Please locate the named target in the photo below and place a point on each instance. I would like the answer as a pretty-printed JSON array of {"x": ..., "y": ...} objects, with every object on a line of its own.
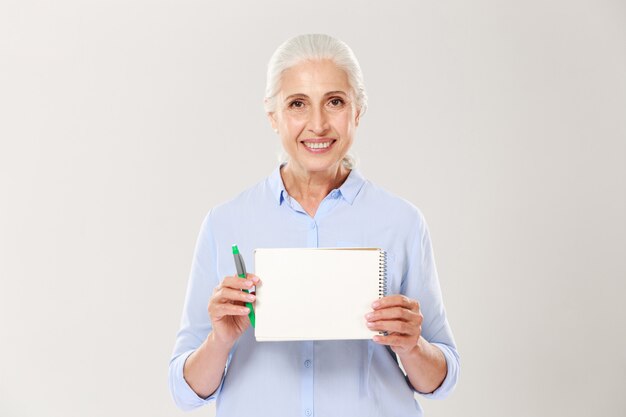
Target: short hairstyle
[{"x": 314, "y": 47}]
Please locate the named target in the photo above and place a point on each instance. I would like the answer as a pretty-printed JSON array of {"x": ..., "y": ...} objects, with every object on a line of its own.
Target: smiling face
[{"x": 315, "y": 116}]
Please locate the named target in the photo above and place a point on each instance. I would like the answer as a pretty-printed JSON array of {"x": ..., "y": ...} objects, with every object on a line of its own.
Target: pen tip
[{"x": 235, "y": 250}]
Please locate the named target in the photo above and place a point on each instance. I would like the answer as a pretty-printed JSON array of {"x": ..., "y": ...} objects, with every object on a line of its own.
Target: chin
[{"x": 319, "y": 166}]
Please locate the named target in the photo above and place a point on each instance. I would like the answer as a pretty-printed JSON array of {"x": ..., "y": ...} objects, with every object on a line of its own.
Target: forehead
[{"x": 314, "y": 77}]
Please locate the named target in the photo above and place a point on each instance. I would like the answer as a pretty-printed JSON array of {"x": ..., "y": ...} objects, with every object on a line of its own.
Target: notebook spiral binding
[
  {"x": 382, "y": 279},
  {"x": 382, "y": 274}
]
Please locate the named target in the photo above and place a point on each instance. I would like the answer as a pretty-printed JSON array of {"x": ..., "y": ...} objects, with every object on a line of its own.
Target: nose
[{"x": 318, "y": 123}]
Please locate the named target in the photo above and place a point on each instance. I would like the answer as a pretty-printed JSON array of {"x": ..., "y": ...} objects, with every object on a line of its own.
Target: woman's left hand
[{"x": 401, "y": 318}]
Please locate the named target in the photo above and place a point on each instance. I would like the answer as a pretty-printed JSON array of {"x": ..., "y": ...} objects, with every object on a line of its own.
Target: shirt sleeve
[
  {"x": 195, "y": 324},
  {"x": 421, "y": 283}
]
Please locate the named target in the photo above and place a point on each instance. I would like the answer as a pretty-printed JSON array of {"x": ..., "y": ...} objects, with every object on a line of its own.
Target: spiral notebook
[{"x": 317, "y": 293}]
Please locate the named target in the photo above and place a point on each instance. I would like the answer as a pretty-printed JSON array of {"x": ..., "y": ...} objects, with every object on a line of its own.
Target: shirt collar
[
  {"x": 349, "y": 189},
  {"x": 276, "y": 185},
  {"x": 352, "y": 185}
]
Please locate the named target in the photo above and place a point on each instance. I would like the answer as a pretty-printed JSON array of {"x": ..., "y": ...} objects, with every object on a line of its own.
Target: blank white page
[{"x": 315, "y": 294}]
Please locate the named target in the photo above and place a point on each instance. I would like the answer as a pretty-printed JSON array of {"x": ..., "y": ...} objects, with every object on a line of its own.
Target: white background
[{"x": 123, "y": 122}]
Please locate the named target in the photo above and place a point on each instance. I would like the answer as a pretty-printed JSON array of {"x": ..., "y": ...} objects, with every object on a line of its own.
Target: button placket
[{"x": 307, "y": 378}]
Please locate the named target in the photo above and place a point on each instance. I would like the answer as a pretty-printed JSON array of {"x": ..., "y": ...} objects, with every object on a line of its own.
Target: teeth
[{"x": 320, "y": 145}]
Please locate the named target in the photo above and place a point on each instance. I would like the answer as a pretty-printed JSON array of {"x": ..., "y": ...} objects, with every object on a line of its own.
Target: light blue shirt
[{"x": 313, "y": 378}]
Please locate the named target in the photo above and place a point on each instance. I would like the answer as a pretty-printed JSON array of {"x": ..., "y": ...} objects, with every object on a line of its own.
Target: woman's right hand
[{"x": 227, "y": 310}]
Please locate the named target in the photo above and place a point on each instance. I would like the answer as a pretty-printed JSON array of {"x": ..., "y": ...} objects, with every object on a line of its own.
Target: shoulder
[
  {"x": 397, "y": 208},
  {"x": 256, "y": 195}
]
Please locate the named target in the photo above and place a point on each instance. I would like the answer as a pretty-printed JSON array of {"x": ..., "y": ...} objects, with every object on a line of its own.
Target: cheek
[
  {"x": 293, "y": 124},
  {"x": 344, "y": 123}
]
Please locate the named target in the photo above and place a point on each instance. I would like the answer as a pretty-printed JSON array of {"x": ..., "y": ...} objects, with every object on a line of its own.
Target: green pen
[{"x": 241, "y": 272}]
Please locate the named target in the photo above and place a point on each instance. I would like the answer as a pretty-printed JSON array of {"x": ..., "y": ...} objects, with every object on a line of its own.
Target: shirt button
[
  {"x": 307, "y": 363},
  {"x": 313, "y": 225},
  {"x": 308, "y": 412}
]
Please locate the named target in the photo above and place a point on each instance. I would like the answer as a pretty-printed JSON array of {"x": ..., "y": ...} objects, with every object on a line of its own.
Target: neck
[{"x": 312, "y": 187}]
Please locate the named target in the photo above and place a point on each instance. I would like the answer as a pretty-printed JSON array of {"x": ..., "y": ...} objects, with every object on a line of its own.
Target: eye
[
  {"x": 336, "y": 101},
  {"x": 296, "y": 104}
]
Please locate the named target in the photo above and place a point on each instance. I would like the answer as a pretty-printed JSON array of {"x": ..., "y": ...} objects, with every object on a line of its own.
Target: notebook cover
[{"x": 316, "y": 293}]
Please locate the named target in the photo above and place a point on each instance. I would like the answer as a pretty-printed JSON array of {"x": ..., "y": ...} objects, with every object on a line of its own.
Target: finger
[
  {"x": 394, "y": 340},
  {"x": 394, "y": 313},
  {"x": 236, "y": 283},
  {"x": 221, "y": 310},
  {"x": 227, "y": 295},
  {"x": 255, "y": 279},
  {"x": 256, "y": 282},
  {"x": 398, "y": 300},
  {"x": 395, "y": 326}
]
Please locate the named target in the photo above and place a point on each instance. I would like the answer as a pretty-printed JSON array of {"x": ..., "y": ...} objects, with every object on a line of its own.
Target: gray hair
[{"x": 315, "y": 47}]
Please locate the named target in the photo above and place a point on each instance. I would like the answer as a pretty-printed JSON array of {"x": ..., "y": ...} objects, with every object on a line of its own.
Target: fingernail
[
  {"x": 250, "y": 297},
  {"x": 245, "y": 310},
  {"x": 369, "y": 315},
  {"x": 248, "y": 283},
  {"x": 370, "y": 324},
  {"x": 376, "y": 304},
  {"x": 255, "y": 279}
]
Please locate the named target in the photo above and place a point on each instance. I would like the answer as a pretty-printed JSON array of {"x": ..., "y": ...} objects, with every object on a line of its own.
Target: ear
[
  {"x": 271, "y": 116},
  {"x": 357, "y": 117}
]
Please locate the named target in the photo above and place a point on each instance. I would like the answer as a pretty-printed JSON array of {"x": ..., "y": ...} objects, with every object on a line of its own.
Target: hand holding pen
[{"x": 228, "y": 310}]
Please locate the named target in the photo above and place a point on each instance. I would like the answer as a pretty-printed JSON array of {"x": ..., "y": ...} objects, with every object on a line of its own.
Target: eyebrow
[{"x": 330, "y": 93}]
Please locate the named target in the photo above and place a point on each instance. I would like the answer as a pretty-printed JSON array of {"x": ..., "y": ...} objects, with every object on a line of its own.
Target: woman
[{"x": 314, "y": 100}]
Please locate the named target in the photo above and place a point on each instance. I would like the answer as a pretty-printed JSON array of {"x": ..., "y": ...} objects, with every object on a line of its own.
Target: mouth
[{"x": 320, "y": 145}]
